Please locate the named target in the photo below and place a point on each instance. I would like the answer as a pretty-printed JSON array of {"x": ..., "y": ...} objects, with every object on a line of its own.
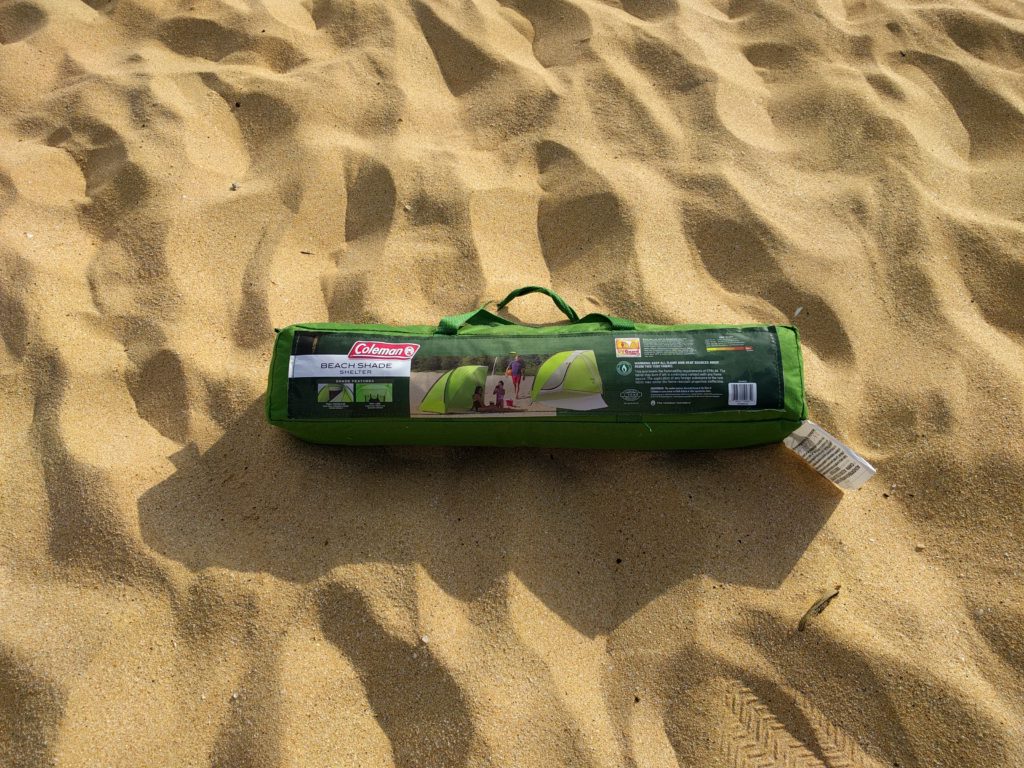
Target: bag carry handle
[
  {"x": 451, "y": 325},
  {"x": 561, "y": 303}
]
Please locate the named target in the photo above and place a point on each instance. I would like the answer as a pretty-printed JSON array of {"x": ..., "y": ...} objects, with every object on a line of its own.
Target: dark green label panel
[{"x": 340, "y": 375}]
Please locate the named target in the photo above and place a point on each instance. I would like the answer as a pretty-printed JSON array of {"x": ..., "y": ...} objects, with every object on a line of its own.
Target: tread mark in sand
[{"x": 756, "y": 739}]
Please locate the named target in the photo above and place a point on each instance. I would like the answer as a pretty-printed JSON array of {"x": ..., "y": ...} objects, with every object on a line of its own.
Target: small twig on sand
[{"x": 819, "y": 606}]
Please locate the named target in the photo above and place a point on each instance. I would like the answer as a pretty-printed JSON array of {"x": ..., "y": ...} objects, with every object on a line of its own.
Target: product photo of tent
[
  {"x": 373, "y": 393},
  {"x": 570, "y": 380},
  {"x": 335, "y": 393},
  {"x": 453, "y": 391}
]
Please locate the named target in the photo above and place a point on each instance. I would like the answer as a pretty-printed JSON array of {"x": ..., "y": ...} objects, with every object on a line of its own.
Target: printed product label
[
  {"x": 831, "y": 458},
  {"x": 336, "y": 375},
  {"x": 306, "y": 366}
]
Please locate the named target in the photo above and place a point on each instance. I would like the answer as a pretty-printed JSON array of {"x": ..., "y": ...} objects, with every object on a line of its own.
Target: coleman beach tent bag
[{"x": 592, "y": 382}]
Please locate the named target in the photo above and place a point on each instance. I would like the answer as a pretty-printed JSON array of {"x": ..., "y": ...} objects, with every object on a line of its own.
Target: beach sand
[{"x": 182, "y": 585}]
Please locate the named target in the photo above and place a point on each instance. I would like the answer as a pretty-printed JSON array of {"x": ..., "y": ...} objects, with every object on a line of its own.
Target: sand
[{"x": 181, "y": 585}]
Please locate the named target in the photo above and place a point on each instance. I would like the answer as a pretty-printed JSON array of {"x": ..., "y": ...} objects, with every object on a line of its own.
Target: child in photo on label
[{"x": 499, "y": 393}]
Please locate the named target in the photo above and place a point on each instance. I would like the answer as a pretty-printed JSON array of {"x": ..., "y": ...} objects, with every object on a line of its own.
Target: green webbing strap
[
  {"x": 450, "y": 325},
  {"x": 561, "y": 303},
  {"x": 616, "y": 323}
]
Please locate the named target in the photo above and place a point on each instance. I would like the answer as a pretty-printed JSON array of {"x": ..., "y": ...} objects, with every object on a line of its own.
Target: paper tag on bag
[{"x": 835, "y": 461}]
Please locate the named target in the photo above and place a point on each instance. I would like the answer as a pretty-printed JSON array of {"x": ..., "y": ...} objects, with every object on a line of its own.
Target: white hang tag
[{"x": 835, "y": 461}]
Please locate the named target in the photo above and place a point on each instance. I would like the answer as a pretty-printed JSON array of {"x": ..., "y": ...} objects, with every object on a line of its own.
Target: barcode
[{"x": 742, "y": 393}]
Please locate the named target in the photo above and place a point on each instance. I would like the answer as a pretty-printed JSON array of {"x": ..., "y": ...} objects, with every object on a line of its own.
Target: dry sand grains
[{"x": 180, "y": 585}]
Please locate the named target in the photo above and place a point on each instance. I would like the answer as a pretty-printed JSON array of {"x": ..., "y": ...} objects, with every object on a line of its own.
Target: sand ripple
[{"x": 179, "y": 585}]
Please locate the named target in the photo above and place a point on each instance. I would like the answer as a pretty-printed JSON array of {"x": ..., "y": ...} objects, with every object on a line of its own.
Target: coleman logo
[{"x": 383, "y": 349}]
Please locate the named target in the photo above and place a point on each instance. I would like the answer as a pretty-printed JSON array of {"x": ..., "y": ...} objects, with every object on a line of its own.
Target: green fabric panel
[
  {"x": 497, "y": 433},
  {"x": 792, "y": 371}
]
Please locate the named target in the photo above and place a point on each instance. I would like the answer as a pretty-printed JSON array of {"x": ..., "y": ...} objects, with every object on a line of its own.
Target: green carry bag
[{"x": 593, "y": 382}]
